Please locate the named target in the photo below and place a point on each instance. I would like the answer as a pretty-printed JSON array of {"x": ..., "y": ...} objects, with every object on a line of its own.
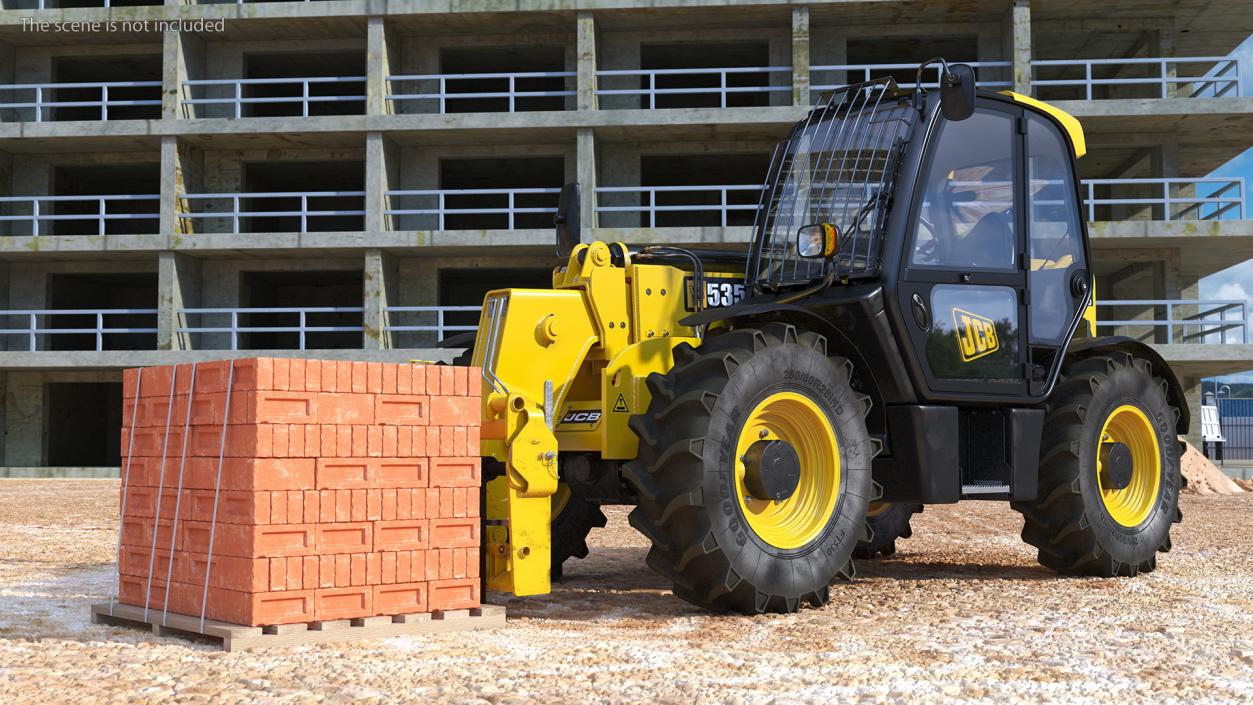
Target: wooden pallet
[{"x": 237, "y": 637}]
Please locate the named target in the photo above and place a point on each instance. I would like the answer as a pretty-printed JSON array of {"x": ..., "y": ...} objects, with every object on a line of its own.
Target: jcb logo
[
  {"x": 588, "y": 417},
  {"x": 976, "y": 335}
]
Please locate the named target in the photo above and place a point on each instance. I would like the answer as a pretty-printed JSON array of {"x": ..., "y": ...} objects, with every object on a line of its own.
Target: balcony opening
[
  {"x": 528, "y": 186},
  {"x": 466, "y": 287},
  {"x": 288, "y": 97},
  {"x": 83, "y": 424},
  {"x": 312, "y": 291},
  {"x": 911, "y": 51},
  {"x": 119, "y": 212},
  {"x": 695, "y": 190},
  {"x": 333, "y": 200},
  {"x": 701, "y": 55},
  {"x": 133, "y": 295},
  {"x": 494, "y": 60},
  {"x": 111, "y": 69}
]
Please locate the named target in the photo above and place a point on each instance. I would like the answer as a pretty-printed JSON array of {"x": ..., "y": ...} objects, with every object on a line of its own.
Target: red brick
[
  {"x": 460, "y": 502},
  {"x": 281, "y": 441},
  {"x": 138, "y": 531},
  {"x": 342, "y": 407},
  {"x": 388, "y": 567},
  {"x": 447, "y": 441},
  {"x": 343, "y": 376},
  {"x": 404, "y": 442},
  {"x": 327, "y": 441},
  {"x": 248, "y": 541},
  {"x": 345, "y": 473},
  {"x": 343, "y": 603},
  {"x": 453, "y": 594},
  {"x": 326, "y": 506},
  {"x": 358, "y": 569},
  {"x": 374, "y": 441},
  {"x": 373, "y": 377},
  {"x": 233, "y": 506},
  {"x": 343, "y": 505},
  {"x": 373, "y": 570},
  {"x": 406, "y": 598},
  {"x": 374, "y": 505},
  {"x": 432, "y": 502},
  {"x": 388, "y": 379},
  {"x": 358, "y": 377},
  {"x": 454, "y": 472},
  {"x": 432, "y": 380},
  {"x": 473, "y": 560},
  {"x": 358, "y": 502},
  {"x": 446, "y": 563},
  {"x": 313, "y": 376},
  {"x": 472, "y": 442},
  {"x": 447, "y": 502},
  {"x": 417, "y": 503},
  {"x": 388, "y": 436},
  {"x": 326, "y": 571},
  {"x": 447, "y": 380},
  {"x": 402, "y": 473},
  {"x": 278, "y": 573},
  {"x": 400, "y": 535},
  {"x": 404, "y": 566},
  {"x": 295, "y": 507},
  {"x": 454, "y": 533},
  {"x": 312, "y": 506},
  {"x": 282, "y": 374},
  {"x": 360, "y": 442},
  {"x": 402, "y": 409},
  {"x": 278, "y": 508},
  {"x": 343, "y": 441},
  {"x": 297, "y": 381},
  {"x": 344, "y": 537},
  {"x": 388, "y": 510},
  {"x": 461, "y": 385},
  {"x": 404, "y": 504},
  {"x": 459, "y": 563}
]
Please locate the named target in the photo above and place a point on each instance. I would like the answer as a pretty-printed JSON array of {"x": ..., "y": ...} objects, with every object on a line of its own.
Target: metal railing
[
  {"x": 1187, "y": 327},
  {"x": 507, "y": 199},
  {"x": 41, "y": 213},
  {"x": 44, "y": 101},
  {"x": 859, "y": 73},
  {"x": 513, "y": 92},
  {"x": 1221, "y": 78},
  {"x": 236, "y": 212},
  {"x": 1214, "y": 198},
  {"x": 35, "y": 324},
  {"x": 440, "y": 327},
  {"x": 299, "y": 324},
  {"x": 726, "y": 78},
  {"x": 238, "y": 100},
  {"x": 651, "y": 207}
]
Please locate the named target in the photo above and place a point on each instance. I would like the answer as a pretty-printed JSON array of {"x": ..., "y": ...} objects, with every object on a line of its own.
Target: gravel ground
[{"x": 962, "y": 613}]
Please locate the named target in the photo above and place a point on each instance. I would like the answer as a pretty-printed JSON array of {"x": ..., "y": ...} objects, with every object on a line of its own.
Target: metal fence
[
  {"x": 644, "y": 200},
  {"x": 1236, "y": 418},
  {"x": 234, "y": 322},
  {"x": 439, "y": 205},
  {"x": 731, "y": 81},
  {"x": 859, "y": 73},
  {"x": 521, "y": 90},
  {"x": 436, "y": 315},
  {"x": 236, "y": 212},
  {"x": 1218, "y": 76},
  {"x": 42, "y": 210},
  {"x": 35, "y": 324},
  {"x": 236, "y": 99},
  {"x": 41, "y": 101},
  {"x": 1199, "y": 321},
  {"x": 1209, "y": 198}
]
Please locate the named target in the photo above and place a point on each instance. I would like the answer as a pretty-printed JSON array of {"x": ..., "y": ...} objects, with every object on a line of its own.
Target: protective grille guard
[{"x": 838, "y": 166}]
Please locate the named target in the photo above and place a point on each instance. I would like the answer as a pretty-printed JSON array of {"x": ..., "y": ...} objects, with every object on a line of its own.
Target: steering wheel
[{"x": 931, "y": 251}]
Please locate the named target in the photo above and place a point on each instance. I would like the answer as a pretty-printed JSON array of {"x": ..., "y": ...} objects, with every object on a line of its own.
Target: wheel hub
[
  {"x": 772, "y": 470},
  {"x": 1116, "y": 466}
]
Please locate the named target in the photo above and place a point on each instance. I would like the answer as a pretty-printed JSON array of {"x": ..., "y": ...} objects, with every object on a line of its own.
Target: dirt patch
[
  {"x": 1204, "y": 477},
  {"x": 961, "y": 613}
]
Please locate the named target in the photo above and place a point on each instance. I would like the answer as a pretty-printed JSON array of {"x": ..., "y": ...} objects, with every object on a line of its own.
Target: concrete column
[
  {"x": 380, "y": 57},
  {"x": 800, "y": 56},
  {"x": 380, "y": 281},
  {"x": 382, "y": 173},
  {"x": 182, "y": 58},
  {"x": 1017, "y": 43},
  {"x": 585, "y": 45},
  {"x": 1193, "y": 395},
  {"x": 585, "y": 155},
  {"x": 24, "y": 412},
  {"x": 178, "y": 286},
  {"x": 171, "y": 180}
]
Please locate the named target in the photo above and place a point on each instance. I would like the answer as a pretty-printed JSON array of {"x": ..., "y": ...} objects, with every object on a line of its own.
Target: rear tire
[
  {"x": 885, "y": 524},
  {"x": 572, "y": 521},
  {"x": 690, "y": 480},
  {"x": 1078, "y": 527}
]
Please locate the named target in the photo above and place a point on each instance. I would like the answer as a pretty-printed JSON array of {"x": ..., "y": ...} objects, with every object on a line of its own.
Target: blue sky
[{"x": 1236, "y": 283}]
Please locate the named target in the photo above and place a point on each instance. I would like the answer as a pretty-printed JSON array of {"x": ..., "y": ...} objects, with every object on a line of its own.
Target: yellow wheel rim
[
  {"x": 560, "y": 499},
  {"x": 797, "y": 520},
  {"x": 1131, "y": 505},
  {"x": 877, "y": 508}
]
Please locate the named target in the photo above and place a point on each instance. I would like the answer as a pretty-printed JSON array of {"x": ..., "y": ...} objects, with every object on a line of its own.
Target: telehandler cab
[{"x": 913, "y": 323}]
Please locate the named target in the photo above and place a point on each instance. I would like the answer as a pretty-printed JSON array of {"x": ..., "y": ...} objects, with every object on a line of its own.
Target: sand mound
[
  {"x": 1203, "y": 476},
  {"x": 1246, "y": 484}
]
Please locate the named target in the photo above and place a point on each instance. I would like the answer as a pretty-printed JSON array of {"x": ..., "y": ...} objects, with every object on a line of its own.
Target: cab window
[
  {"x": 967, "y": 216},
  {"x": 1054, "y": 236}
]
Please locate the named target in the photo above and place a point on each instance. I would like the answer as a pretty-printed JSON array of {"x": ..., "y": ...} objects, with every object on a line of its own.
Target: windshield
[{"x": 836, "y": 167}]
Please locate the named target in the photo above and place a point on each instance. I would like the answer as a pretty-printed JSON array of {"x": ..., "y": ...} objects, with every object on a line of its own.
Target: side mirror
[
  {"x": 819, "y": 240},
  {"x": 957, "y": 92},
  {"x": 568, "y": 220}
]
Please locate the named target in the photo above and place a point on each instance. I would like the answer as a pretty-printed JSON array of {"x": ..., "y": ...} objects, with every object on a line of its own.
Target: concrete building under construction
[{"x": 348, "y": 177}]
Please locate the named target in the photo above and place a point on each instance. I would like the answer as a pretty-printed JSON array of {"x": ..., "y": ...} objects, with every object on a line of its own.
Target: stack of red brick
[{"x": 347, "y": 489}]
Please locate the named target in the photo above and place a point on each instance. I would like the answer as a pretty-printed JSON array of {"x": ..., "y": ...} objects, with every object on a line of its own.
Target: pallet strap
[
  {"x": 126, "y": 482},
  {"x": 156, "y": 516},
  {"x": 178, "y": 496},
  {"x": 217, "y": 490}
]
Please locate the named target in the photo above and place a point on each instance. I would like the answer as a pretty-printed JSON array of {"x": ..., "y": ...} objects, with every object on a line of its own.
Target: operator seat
[{"x": 990, "y": 243}]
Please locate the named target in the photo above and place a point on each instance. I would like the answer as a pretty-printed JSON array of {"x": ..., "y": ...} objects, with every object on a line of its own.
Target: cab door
[{"x": 963, "y": 284}]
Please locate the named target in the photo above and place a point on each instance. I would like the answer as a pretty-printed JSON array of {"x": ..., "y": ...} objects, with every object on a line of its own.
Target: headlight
[{"x": 817, "y": 240}]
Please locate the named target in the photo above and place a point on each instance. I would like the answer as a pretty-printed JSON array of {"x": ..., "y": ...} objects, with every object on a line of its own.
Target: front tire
[
  {"x": 885, "y": 523},
  {"x": 715, "y": 536},
  {"x": 1086, "y": 521}
]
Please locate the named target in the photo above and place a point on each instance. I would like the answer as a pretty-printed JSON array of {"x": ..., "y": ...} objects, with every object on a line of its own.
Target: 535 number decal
[{"x": 718, "y": 292}]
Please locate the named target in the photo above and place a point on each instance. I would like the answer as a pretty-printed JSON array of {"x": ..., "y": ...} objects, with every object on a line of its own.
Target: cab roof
[{"x": 1065, "y": 119}]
